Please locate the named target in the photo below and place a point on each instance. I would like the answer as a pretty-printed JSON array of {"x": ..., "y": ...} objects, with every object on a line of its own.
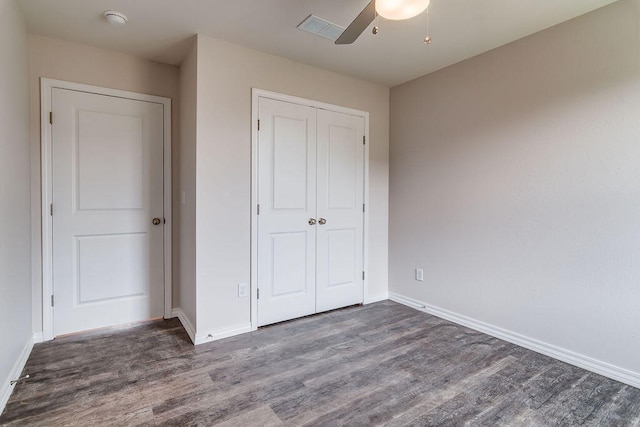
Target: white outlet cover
[{"x": 242, "y": 290}]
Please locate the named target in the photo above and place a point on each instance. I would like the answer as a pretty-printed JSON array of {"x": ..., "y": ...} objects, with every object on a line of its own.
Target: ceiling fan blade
[{"x": 359, "y": 24}]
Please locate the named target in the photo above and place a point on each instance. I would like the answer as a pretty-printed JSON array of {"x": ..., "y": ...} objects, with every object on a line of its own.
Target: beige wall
[
  {"x": 515, "y": 184},
  {"x": 15, "y": 223},
  {"x": 185, "y": 215},
  {"x": 62, "y": 60},
  {"x": 226, "y": 74}
]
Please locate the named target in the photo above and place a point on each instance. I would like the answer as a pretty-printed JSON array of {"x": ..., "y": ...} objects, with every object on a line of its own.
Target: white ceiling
[{"x": 161, "y": 29}]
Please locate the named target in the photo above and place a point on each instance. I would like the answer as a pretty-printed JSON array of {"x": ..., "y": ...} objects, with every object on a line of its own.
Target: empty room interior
[{"x": 308, "y": 212}]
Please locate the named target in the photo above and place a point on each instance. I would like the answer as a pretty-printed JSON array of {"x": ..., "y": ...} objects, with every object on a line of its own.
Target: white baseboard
[
  {"x": 186, "y": 323},
  {"x": 568, "y": 356},
  {"x": 203, "y": 337},
  {"x": 16, "y": 370},
  {"x": 370, "y": 299},
  {"x": 38, "y": 337},
  {"x": 219, "y": 334}
]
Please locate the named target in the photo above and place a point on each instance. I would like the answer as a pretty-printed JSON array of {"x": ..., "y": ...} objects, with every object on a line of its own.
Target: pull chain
[{"x": 427, "y": 39}]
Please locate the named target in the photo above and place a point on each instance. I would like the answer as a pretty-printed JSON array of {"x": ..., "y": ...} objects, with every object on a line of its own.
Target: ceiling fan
[{"x": 389, "y": 9}]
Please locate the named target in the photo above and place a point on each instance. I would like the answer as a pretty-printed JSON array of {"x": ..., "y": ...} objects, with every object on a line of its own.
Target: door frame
[
  {"x": 256, "y": 94},
  {"x": 46, "y": 87}
]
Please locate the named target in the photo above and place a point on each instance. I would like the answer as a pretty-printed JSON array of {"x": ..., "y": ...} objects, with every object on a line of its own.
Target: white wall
[
  {"x": 515, "y": 184},
  {"x": 226, "y": 74},
  {"x": 78, "y": 63},
  {"x": 15, "y": 223}
]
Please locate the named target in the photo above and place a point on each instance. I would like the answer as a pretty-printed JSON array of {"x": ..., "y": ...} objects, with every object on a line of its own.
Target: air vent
[{"x": 321, "y": 27}]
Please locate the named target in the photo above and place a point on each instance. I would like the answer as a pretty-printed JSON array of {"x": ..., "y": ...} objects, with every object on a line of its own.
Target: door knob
[
  {"x": 322, "y": 221},
  {"x": 312, "y": 221},
  {"x": 156, "y": 221}
]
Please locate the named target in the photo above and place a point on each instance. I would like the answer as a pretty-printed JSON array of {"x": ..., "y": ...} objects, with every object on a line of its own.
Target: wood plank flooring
[{"x": 381, "y": 364}]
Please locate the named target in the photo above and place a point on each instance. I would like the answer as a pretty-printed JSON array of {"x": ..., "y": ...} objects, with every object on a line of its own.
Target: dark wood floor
[{"x": 382, "y": 364}]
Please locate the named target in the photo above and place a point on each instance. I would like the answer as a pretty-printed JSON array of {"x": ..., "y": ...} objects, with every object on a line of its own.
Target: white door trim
[
  {"x": 46, "y": 87},
  {"x": 260, "y": 93}
]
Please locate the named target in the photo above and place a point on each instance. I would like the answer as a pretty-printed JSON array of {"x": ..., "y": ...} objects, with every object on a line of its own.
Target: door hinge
[
  {"x": 51, "y": 209},
  {"x": 258, "y": 291},
  {"x": 364, "y": 140},
  {"x": 363, "y": 207},
  {"x": 258, "y": 124},
  {"x": 52, "y": 300},
  {"x": 51, "y": 117},
  {"x": 363, "y": 275},
  {"x": 258, "y": 209}
]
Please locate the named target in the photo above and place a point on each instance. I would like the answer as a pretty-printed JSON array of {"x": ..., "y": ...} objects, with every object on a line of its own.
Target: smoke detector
[{"x": 115, "y": 18}]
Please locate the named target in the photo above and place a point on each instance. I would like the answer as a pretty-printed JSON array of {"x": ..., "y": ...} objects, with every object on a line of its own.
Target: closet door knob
[
  {"x": 312, "y": 221},
  {"x": 322, "y": 221}
]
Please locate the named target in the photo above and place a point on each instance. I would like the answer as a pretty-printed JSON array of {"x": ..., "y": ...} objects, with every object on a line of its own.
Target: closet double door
[{"x": 310, "y": 221}]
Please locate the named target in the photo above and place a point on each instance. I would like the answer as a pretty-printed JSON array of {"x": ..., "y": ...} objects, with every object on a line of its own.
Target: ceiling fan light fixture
[{"x": 400, "y": 9}]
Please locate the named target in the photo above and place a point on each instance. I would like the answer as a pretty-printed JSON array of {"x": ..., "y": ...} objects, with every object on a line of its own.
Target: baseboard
[
  {"x": 201, "y": 338},
  {"x": 576, "y": 359},
  {"x": 186, "y": 323},
  {"x": 218, "y": 334},
  {"x": 370, "y": 299},
  {"x": 38, "y": 337},
  {"x": 16, "y": 370}
]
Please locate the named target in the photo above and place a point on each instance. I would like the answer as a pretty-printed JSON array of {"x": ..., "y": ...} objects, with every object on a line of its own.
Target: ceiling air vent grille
[{"x": 321, "y": 27}]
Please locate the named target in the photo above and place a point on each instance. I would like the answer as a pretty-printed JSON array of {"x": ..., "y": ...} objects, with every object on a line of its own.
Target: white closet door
[
  {"x": 107, "y": 186},
  {"x": 287, "y": 199},
  {"x": 340, "y": 198}
]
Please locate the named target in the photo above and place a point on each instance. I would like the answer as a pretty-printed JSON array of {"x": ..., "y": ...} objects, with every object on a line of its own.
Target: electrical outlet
[
  {"x": 242, "y": 290},
  {"x": 419, "y": 274}
]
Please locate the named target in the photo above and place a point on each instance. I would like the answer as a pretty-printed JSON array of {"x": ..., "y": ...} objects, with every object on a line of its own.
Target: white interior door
[
  {"x": 287, "y": 199},
  {"x": 340, "y": 198},
  {"x": 310, "y": 224},
  {"x": 107, "y": 157}
]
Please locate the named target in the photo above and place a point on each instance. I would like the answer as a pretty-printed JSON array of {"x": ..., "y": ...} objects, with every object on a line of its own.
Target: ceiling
[{"x": 161, "y": 29}]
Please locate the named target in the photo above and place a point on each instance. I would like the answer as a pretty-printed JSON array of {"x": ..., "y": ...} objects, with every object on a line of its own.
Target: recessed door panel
[
  {"x": 111, "y": 266},
  {"x": 107, "y": 156},
  {"x": 290, "y": 163},
  {"x": 289, "y": 264},
  {"x": 109, "y": 143},
  {"x": 343, "y": 161},
  {"x": 341, "y": 247}
]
